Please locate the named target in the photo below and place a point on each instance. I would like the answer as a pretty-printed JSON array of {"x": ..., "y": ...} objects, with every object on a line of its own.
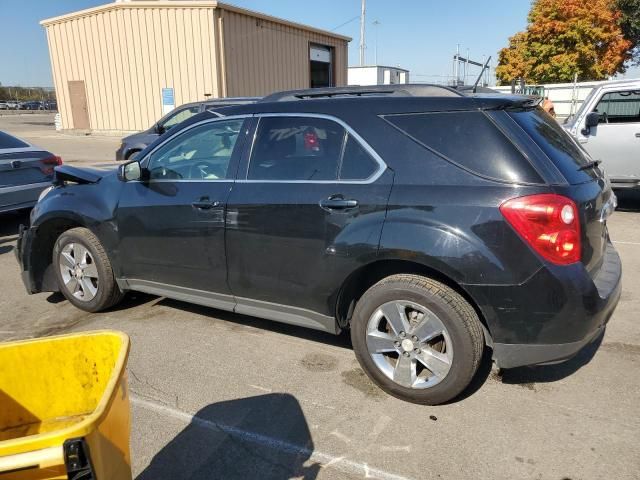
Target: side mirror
[
  {"x": 592, "y": 120},
  {"x": 159, "y": 129},
  {"x": 130, "y": 171}
]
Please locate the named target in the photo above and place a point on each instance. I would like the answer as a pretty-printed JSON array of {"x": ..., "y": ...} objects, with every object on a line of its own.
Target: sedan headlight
[{"x": 44, "y": 192}]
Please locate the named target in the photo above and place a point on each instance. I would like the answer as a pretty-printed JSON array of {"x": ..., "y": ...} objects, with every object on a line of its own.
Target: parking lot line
[
  {"x": 325, "y": 459},
  {"x": 626, "y": 243}
]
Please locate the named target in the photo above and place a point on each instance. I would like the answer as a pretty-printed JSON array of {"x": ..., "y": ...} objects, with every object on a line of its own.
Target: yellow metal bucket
[{"x": 64, "y": 407}]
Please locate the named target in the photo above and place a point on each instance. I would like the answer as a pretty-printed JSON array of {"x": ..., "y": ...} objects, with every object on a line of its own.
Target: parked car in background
[
  {"x": 50, "y": 105},
  {"x": 139, "y": 141},
  {"x": 13, "y": 105},
  {"x": 32, "y": 105},
  {"x": 607, "y": 125},
  {"x": 3, "y": 105},
  {"x": 25, "y": 171},
  {"x": 428, "y": 222}
]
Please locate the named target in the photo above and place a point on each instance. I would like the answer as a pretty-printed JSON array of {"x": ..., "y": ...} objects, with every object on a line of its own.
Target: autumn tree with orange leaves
[{"x": 567, "y": 37}]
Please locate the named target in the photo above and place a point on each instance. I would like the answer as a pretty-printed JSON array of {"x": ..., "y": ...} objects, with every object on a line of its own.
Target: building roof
[
  {"x": 380, "y": 66},
  {"x": 182, "y": 4}
]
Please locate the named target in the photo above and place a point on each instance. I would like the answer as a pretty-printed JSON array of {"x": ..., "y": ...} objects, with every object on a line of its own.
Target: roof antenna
[{"x": 486, "y": 65}]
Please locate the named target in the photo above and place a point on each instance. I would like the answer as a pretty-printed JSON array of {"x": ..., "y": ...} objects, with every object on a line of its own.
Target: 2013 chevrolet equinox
[{"x": 430, "y": 223}]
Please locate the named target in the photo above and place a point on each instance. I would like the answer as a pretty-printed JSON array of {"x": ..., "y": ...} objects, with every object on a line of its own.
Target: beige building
[{"x": 121, "y": 66}]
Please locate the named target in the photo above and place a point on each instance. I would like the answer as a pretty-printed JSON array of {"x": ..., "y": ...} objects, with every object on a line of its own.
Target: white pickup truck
[{"x": 608, "y": 127}]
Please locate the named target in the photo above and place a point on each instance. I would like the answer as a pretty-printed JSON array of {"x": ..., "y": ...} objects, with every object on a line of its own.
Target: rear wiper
[{"x": 589, "y": 165}]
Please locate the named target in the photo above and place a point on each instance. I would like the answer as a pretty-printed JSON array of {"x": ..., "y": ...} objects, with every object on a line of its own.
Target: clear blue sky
[{"x": 420, "y": 35}]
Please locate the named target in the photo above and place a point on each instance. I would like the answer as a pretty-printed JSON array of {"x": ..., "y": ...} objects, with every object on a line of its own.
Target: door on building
[
  {"x": 321, "y": 66},
  {"x": 78, "y": 99}
]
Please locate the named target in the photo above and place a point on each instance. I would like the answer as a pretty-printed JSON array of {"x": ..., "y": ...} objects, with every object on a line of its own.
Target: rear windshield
[
  {"x": 470, "y": 140},
  {"x": 7, "y": 141},
  {"x": 556, "y": 143}
]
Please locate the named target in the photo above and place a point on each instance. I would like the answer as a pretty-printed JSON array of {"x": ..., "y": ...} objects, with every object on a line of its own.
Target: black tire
[
  {"x": 108, "y": 293},
  {"x": 456, "y": 314}
]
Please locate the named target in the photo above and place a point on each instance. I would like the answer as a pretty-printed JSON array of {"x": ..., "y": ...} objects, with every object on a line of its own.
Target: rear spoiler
[{"x": 507, "y": 102}]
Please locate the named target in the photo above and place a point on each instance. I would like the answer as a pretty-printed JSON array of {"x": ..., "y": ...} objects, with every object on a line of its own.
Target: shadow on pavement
[
  {"x": 264, "y": 437},
  {"x": 9, "y": 223},
  {"x": 552, "y": 373}
]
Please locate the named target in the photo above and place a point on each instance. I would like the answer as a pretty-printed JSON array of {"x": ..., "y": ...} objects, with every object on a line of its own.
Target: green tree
[
  {"x": 567, "y": 37},
  {"x": 630, "y": 24}
]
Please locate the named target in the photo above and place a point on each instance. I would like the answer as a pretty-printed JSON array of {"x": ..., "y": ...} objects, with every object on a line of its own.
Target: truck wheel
[
  {"x": 417, "y": 339},
  {"x": 83, "y": 271}
]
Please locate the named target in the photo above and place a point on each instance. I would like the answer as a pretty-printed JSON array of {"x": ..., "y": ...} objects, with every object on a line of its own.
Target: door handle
[
  {"x": 205, "y": 204},
  {"x": 338, "y": 203},
  {"x": 638, "y": 135},
  {"x": 16, "y": 164}
]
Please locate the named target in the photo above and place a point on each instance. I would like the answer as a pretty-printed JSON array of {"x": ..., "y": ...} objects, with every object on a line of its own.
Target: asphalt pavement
[{"x": 220, "y": 395}]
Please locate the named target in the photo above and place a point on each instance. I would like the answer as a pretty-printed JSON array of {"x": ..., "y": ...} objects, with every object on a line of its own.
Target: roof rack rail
[{"x": 398, "y": 90}]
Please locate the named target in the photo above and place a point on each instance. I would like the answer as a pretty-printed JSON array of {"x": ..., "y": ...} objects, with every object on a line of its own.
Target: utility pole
[{"x": 362, "y": 22}]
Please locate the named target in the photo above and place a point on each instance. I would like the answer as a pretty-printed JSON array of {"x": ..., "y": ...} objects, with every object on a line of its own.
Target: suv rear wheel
[
  {"x": 417, "y": 339},
  {"x": 83, "y": 271}
]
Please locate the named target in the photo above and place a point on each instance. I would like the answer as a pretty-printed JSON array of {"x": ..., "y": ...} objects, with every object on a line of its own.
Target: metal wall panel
[
  {"x": 263, "y": 56},
  {"x": 126, "y": 55},
  {"x": 127, "y": 52}
]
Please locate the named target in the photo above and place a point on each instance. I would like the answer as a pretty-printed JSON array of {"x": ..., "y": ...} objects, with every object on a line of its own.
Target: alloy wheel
[
  {"x": 79, "y": 271},
  {"x": 409, "y": 344}
]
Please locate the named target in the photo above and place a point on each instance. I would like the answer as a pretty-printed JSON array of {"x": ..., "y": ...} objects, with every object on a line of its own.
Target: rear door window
[
  {"x": 619, "y": 107},
  {"x": 357, "y": 163},
  {"x": 471, "y": 141},
  {"x": 567, "y": 155},
  {"x": 296, "y": 148}
]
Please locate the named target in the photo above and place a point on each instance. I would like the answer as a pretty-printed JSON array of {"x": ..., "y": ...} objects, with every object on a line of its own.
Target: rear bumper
[
  {"x": 553, "y": 315},
  {"x": 625, "y": 183}
]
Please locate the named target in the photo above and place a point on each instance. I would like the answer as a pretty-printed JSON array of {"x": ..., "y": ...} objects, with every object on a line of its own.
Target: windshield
[{"x": 572, "y": 118}]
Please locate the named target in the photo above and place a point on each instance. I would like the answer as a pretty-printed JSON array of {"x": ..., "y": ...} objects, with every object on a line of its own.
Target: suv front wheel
[
  {"x": 417, "y": 339},
  {"x": 84, "y": 272}
]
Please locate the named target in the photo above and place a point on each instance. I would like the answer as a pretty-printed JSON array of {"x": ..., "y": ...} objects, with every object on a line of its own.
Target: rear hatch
[{"x": 587, "y": 183}]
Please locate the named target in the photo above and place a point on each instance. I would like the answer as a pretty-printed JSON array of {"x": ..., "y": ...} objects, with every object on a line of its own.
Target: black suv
[{"x": 430, "y": 223}]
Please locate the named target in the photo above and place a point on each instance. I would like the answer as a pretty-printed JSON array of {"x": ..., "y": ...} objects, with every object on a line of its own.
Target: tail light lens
[
  {"x": 47, "y": 164},
  {"x": 549, "y": 223}
]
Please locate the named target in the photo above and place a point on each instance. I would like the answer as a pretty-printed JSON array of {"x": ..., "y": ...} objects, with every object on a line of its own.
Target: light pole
[
  {"x": 362, "y": 22},
  {"x": 376, "y": 23}
]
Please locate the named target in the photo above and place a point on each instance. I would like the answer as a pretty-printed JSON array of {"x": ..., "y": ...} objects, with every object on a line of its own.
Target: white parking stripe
[
  {"x": 338, "y": 463},
  {"x": 627, "y": 243}
]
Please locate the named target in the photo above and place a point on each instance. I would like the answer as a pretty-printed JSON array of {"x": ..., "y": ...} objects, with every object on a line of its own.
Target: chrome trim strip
[
  {"x": 382, "y": 166},
  {"x": 28, "y": 186},
  {"x": 246, "y": 306}
]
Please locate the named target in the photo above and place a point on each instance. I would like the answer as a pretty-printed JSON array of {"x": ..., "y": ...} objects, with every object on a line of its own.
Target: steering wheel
[{"x": 163, "y": 173}]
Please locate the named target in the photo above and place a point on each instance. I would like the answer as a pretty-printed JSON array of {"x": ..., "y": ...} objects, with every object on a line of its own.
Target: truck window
[{"x": 619, "y": 107}]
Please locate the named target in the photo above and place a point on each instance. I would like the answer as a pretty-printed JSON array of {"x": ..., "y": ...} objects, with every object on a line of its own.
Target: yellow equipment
[{"x": 64, "y": 408}]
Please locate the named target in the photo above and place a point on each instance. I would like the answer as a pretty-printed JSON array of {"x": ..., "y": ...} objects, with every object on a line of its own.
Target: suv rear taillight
[
  {"x": 49, "y": 163},
  {"x": 549, "y": 223}
]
